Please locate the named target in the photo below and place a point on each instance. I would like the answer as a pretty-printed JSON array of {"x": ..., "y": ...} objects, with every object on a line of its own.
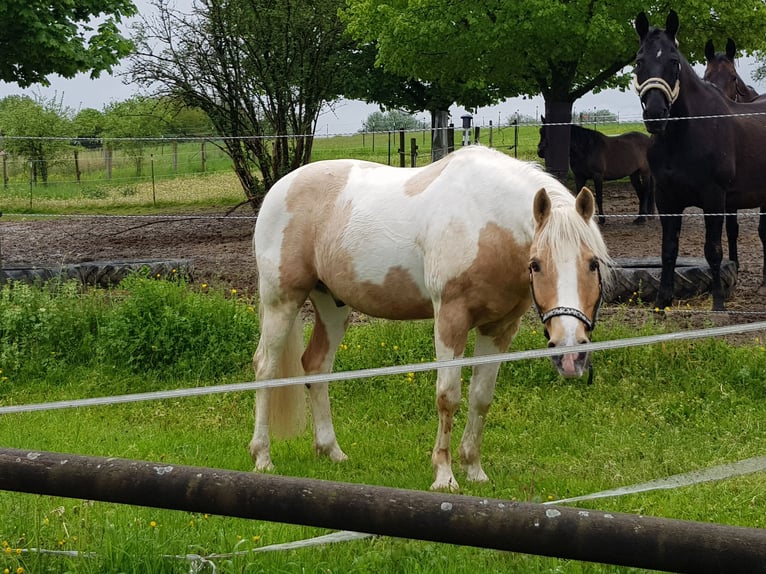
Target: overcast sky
[{"x": 344, "y": 117}]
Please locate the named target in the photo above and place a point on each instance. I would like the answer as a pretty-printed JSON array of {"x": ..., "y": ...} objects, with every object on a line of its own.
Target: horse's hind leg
[
  {"x": 762, "y": 235},
  {"x": 641, "y": 185},
  {"x": 330, "y": 325},
  {"x": 481, "y": 391},
  {"x": 598, "y": 183},
  {"x": 732, "y": 234}
]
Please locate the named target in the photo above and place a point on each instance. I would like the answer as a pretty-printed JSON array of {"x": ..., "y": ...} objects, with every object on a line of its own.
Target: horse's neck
[{"x": 696, "y": 97}]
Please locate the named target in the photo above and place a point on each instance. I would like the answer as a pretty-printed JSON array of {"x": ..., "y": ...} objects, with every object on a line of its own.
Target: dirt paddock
[{"x": 221, "y": 251}]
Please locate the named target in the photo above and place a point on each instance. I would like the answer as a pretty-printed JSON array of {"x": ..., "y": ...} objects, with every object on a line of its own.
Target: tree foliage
[
  {"x": 391, "y": 120},
  {"x": 260, "y": 69},
  {"x": 60, "y": 37},
  {"x": 560, "y": 49},
  {"x": 36, "y": 130},
  {"x": 133, "y": 124}
]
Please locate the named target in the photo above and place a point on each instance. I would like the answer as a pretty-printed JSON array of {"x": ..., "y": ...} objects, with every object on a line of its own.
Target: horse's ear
[
  {"x": 541, "y": 207},
  {"x": 642, "y": 25},
  {"x": 585, "y": 204},
  {"x": 672, "y": 24},
  {"x": 709, "y": 50},
  {"x": 731, "y": 49}
]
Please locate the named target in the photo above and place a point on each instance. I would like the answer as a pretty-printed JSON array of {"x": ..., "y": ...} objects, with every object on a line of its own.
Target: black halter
[{"x": 568, "y": 311}]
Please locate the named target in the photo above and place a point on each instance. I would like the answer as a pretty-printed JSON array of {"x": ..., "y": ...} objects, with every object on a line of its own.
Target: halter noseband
[
  {"x": 560, "y": 311},
  {"x": 671, "y": 94}
]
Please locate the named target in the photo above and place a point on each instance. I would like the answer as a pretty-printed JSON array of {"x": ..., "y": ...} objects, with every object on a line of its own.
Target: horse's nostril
[{"x": 551, "y": 344}]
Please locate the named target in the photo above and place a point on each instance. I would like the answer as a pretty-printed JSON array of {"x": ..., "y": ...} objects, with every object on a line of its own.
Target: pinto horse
[
  {"x": 593, "y": 155},
  {"x": 706, "y": 150},
  {"x": 721, "y": 71},
  {"x": 470, "y": 240}
]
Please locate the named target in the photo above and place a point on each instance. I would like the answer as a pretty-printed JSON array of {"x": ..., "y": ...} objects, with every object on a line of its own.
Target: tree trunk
[
  {"x": 557, "y": 153},
  {"x": 439, "y": 127}
]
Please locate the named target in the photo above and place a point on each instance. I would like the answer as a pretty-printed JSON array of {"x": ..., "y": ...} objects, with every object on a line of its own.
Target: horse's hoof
[
  {"x": 333, "y": 452},
  {"x": 476, "y": 474},
  {"x": 601, "y": 220},
  {"x": 449, "y": 485},
  {"x": 640, "y": 220},
  {"x": 263, "y": 466}
]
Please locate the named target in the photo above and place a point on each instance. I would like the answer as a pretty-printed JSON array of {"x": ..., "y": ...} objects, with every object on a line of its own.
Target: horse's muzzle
[
  {"x": 656, "y": 111},
  {"x": 571, "y": 365}
]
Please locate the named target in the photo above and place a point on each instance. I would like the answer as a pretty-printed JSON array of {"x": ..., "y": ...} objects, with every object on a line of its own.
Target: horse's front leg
[
  {"x": 481, "y": 391},
  {"x": 671, "y": 230},
  {"x": 714, "y": 255},
  {"x": 448, "y": 394}
]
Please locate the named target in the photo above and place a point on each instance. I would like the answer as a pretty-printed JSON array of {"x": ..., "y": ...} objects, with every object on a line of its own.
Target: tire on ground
[
  {"x": 639, "y": 279},
  {"x": 99, "y": 273}
]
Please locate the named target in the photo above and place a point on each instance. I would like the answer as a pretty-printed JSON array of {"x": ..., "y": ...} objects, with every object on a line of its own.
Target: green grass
[{"x": 651, "y": 412}]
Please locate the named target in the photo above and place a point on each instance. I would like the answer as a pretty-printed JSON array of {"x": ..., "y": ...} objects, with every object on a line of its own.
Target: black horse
[
  {"x": 721, "y": 71},
  {"x": 593, "y": 155},
  {"x": 706, "y": 151}
]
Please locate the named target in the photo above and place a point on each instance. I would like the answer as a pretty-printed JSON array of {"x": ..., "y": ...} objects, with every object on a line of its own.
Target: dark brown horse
[
  {"x": 722, "y": 72},
  {"x": 706, "y": 150},
  {"x": 593, "y": 155}
]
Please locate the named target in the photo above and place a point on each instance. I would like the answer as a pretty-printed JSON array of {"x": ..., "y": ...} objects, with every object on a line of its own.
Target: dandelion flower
[{"x": 153, "y": 524}]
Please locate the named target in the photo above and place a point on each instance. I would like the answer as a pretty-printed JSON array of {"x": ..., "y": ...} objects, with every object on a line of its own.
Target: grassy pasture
[
  {"x": 651, "y": 412},
  {"x": 171, "y": 174}
]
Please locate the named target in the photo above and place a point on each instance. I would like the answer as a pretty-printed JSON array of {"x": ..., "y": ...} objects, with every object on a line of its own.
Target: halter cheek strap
[
  {"x": 657, "y": 84},
  {"x": 590, "y": 324}
]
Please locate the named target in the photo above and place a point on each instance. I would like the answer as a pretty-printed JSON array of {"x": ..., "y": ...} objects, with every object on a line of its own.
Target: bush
[{"x": 161, "y": 327}]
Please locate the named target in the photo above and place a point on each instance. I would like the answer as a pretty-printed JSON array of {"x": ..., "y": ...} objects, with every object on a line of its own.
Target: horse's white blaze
[{"x": 451, "y": 241}]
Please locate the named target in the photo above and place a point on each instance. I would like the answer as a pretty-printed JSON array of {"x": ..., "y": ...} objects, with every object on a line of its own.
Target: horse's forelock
[{"x": 566, "y": 232}]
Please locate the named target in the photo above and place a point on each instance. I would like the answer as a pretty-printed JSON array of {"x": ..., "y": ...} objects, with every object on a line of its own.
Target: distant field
[{"x": 150, "y": 176}]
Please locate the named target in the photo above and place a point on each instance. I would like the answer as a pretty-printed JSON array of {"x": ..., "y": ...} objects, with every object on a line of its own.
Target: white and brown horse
[{"x": 461, "y": 240}]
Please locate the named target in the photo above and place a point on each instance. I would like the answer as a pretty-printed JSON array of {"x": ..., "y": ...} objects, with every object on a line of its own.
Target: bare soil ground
[{"x": 221, "y": 251}]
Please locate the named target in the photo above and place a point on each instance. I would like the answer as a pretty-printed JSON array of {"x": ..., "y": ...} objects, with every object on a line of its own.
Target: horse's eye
[
  {"x": 594, "y": 264},
  {"x": 534, "y": 266}
]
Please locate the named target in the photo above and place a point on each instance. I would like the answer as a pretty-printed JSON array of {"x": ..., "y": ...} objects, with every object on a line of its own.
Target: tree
[
  {"x": 560, "y": 49},
  {"x": 58, "y": 37},
  {"x": 374, "y": 82},
  {"x": 134, "y": 123},
  {"x": 87, "y": 125},
  {"x": 391, "y": 120},
  {"x": 36, "y": 130},
  {"x": 260, "y": 69}
]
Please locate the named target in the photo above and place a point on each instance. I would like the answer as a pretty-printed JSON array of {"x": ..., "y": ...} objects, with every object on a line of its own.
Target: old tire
[
  {"x": 639, "y": 279},
  {"x": 98, "y": 273}
]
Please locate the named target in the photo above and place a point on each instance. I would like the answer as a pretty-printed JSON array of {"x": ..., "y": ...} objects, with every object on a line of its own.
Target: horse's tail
[{"x": 287, "y": 405}]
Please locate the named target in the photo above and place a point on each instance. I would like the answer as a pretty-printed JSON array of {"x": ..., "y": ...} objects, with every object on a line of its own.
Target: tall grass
[{"x": 651, "y": 412}]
